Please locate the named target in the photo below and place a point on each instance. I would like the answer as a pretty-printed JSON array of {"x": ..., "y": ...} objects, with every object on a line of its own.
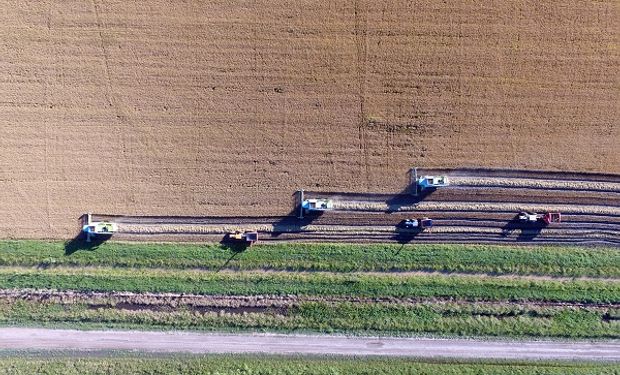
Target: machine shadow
[
  {"x": 511, "y": 226},
  {"x": 403, "y": 238},
  {"x": 528, "y": 231},
  {"x": 80, "y": 242},
  {"x": 405, "y": 198},
  {"x": 234, "y": 247},
  {"x": 529, "y": 234},
  {"x": 410, "y": 195},
  {"x": 294, "y": 219}
]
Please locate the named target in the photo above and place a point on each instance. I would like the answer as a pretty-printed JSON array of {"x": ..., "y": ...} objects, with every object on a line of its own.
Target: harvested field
[
  {"x": 200, "y": 108},
  {"x": 480, "y": 208}
]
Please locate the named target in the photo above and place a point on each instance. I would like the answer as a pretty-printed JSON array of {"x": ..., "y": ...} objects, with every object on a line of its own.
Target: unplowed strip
[
  {"x": 609, "y": 187},
  {"x": 480, "y": 194},
  {"x": 146, "y": 300}
]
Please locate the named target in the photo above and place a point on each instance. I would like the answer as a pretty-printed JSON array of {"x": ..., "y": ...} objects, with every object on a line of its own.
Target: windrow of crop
[
  {"x": 479, "y": 206},
  {"x": 313, "y": 283},
  {"x": 453, "y": 319},
  {"x": 283, "y": 365},
  {"x": 535, "y": 183},
  {"x": 553, "y": 261}
]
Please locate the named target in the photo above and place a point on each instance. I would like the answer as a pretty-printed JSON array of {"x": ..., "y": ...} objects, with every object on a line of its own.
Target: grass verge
[
  {"x": 291, "y": 365},
  {"x": 446, "y": 319},
  {"x": 553, "y": 261},
  {"x": 315, "y": 283}
]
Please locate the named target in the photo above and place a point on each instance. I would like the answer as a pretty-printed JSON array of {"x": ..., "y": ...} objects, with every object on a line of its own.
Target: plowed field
[{"x": 207, "y": 108}]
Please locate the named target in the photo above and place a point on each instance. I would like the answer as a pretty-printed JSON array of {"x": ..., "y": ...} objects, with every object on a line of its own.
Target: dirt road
[{"x": 48, "y": 339}]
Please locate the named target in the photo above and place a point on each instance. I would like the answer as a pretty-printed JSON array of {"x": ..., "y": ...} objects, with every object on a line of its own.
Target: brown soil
[{"x": 205, "y": 108}]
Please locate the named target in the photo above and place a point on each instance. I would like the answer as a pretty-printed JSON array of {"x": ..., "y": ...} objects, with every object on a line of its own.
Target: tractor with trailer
[
  {"x": 419, "y": 224},
  {"x": 98, "y": 228},
  {"x": 247, "y": 237},
  {"x": 534, "y": 218}
]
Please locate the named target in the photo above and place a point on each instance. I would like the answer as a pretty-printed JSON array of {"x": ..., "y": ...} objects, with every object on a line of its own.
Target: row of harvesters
[
  {"x": 424, "y": 184},
  {"x": 318, "y": 205}
]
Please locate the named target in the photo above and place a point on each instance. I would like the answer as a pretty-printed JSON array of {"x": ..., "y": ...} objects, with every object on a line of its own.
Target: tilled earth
[{"x": 208, "y": 108}]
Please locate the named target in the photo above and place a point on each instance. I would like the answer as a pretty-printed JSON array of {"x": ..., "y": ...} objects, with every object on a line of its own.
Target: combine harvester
[
  {"x": 98, "y": 228},
  {"x": 427, "y": 183},
  {"x": 313, "y": 205}
]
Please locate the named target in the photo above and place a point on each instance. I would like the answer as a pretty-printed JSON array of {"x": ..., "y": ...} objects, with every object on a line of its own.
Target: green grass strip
[
  {"x": 554, "y": 261},
  {"x": 360, "y": 318},
  {"x": 315, "y": 283},
  {"x": 289, "y": 365}
]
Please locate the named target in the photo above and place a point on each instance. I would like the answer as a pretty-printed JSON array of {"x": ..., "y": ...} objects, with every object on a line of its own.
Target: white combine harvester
[
  {"x": 98, "y": 228},
  {"x": 423, "y": 183},
  {"x": 313, "y": 205},
  {"x": 317, "y": 204}
]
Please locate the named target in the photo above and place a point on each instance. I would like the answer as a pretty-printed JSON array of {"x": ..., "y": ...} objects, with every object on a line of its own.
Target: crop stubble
[{"x": 207, "y": 108}]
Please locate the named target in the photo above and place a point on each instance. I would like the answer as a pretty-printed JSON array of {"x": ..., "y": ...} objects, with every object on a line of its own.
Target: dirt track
[
  {"x": 167, "y": 342},
  {"x": 205, "y": 108}
]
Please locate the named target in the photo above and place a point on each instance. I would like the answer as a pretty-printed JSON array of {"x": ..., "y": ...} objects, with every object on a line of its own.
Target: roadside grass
[
  {"x": 451, "y": 319},
  {"x": 549, "y": 260},
  {"x": 283, "y": 365},
  {"x": 467, "y": 287}
]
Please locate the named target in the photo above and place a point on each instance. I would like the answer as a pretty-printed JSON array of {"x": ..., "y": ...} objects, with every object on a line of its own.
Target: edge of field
[
  {"x": 558, "y": 261},
  {"x": 67, "y": 363},
  {"x": 410, "y": 290}
]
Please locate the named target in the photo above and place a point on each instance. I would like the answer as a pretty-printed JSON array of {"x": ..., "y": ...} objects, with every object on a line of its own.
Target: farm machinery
[
  {"x": 98, "y": 228},
  {"x": 247, "y": 237},
  {"x": 546, "y": 218},
  {"x": 427, "y": 183},
  {"x": 317, "y": 204},
  {"x": 420, "y": 224},
  {"x": 313, "y": 205}
]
